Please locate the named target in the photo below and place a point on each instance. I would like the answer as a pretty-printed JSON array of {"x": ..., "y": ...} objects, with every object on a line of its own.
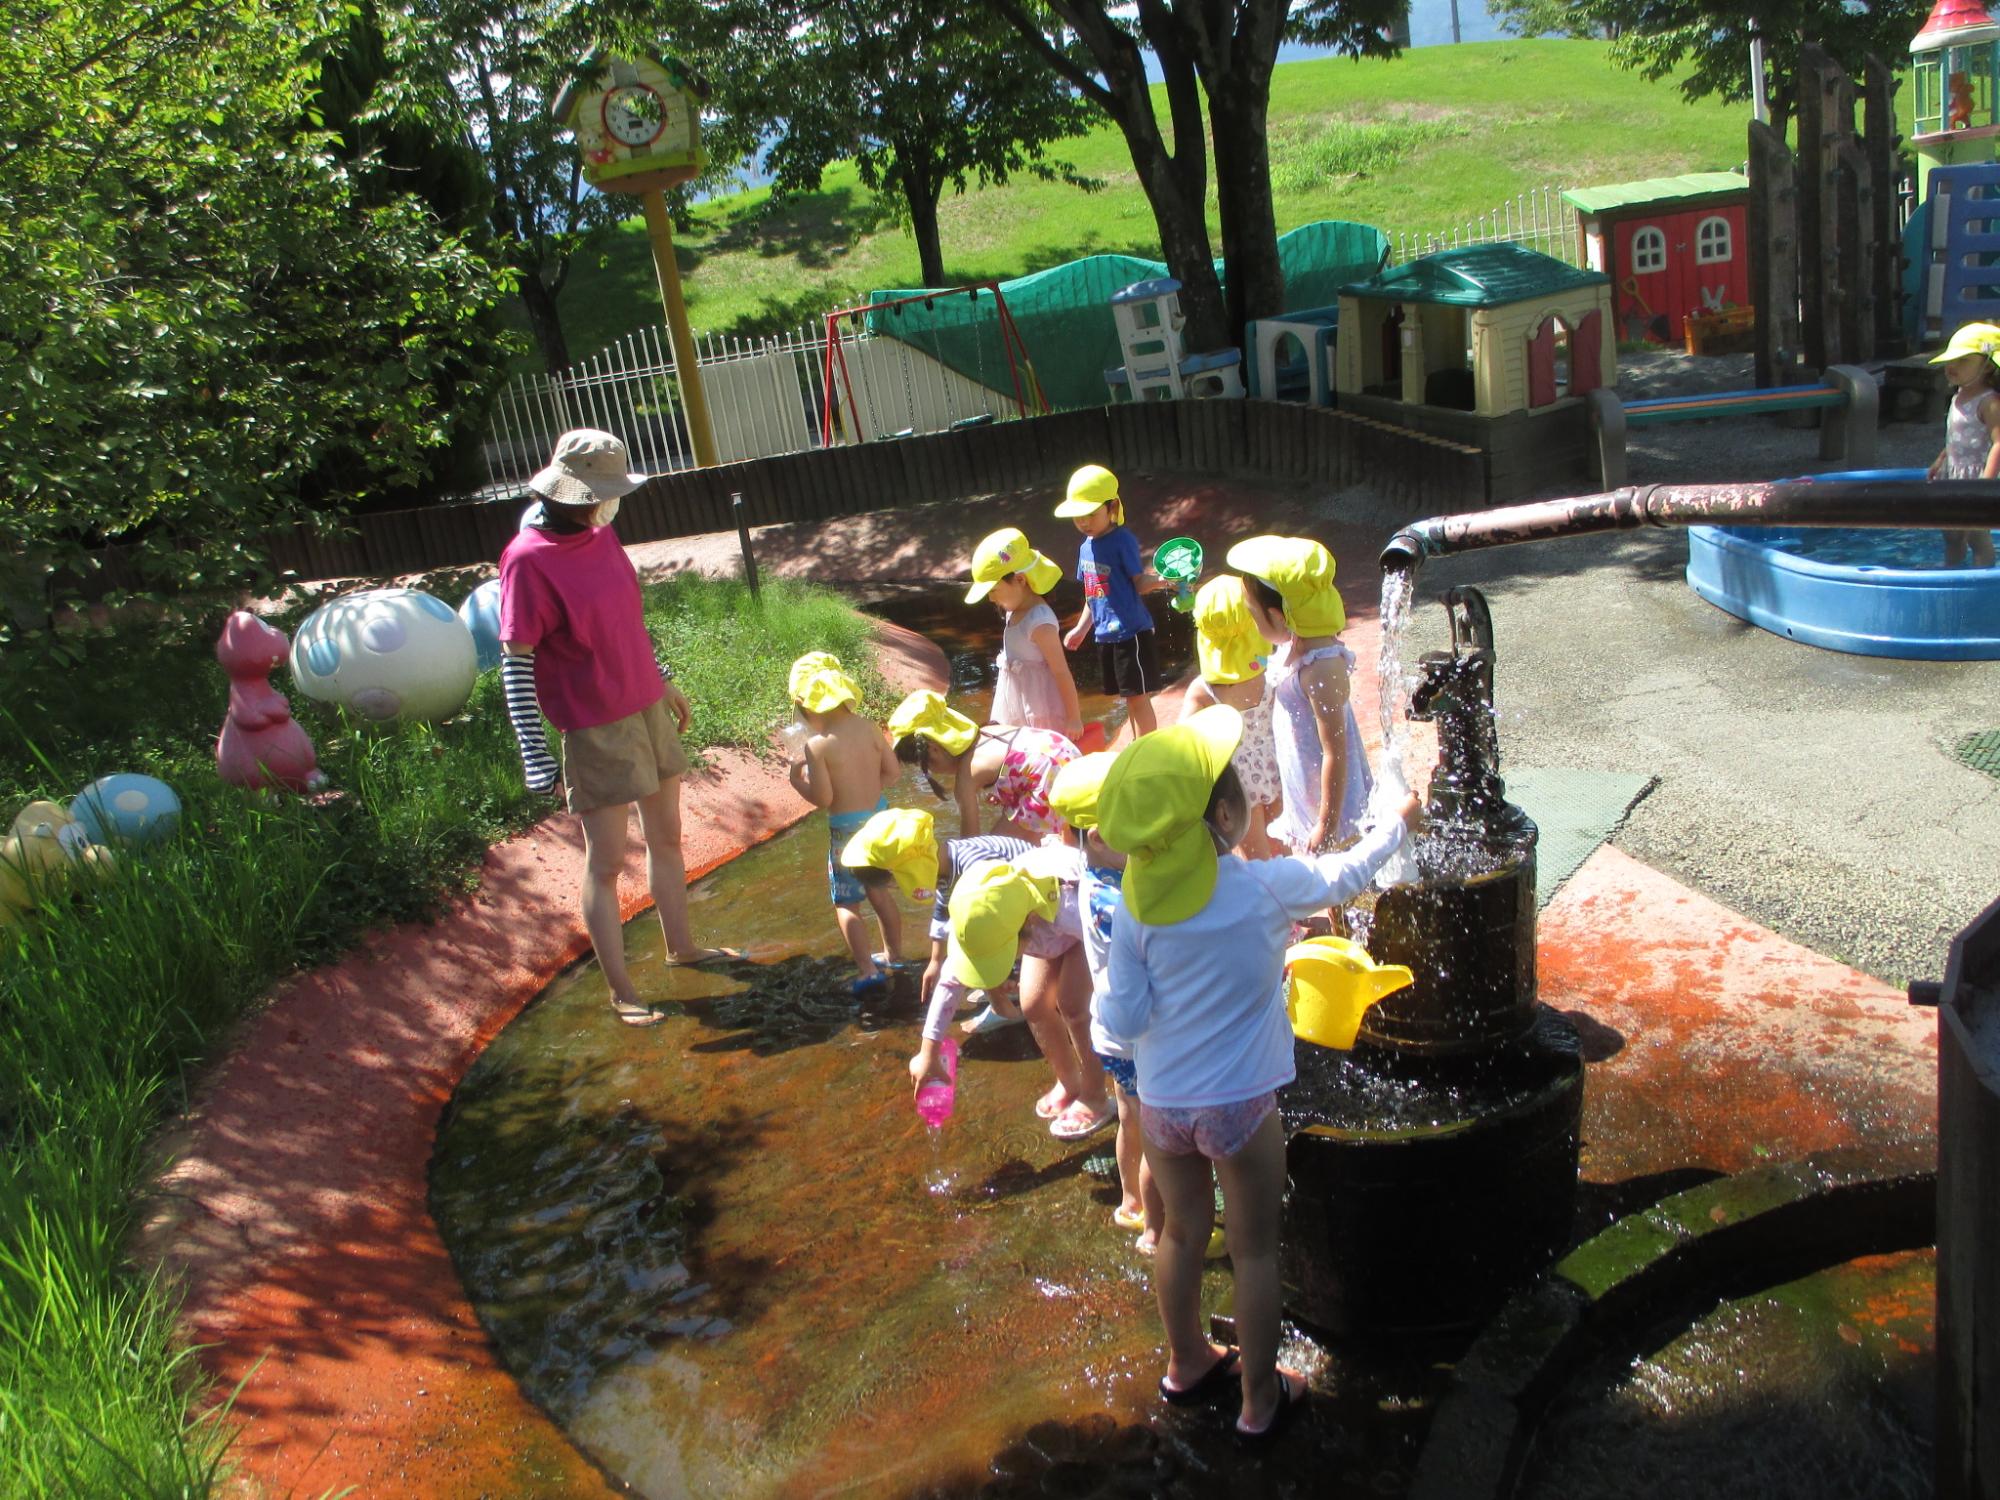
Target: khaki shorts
[{"x": 610, "y": 765}]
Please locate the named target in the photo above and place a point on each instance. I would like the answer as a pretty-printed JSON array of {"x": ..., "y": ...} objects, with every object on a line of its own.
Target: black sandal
[
  {"x": 1211, "y": 1384},
  {"x": 1288, "y": 1406}
]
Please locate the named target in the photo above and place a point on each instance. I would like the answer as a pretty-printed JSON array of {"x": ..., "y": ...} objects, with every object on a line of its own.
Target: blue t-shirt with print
[{"x": 1106, "y": 566}]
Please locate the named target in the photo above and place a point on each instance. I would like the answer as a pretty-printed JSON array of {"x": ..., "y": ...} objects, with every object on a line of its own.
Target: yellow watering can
[{"x": 1329, "y": 984}]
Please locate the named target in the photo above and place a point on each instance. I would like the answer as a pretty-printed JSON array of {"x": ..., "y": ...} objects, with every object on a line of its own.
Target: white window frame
[
  {"x": 1649, "y": 250},
  {"x": 1714, "y": 241}
]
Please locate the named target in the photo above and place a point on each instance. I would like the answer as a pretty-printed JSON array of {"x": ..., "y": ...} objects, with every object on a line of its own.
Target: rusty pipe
[{"x": 1863, "y": 503}]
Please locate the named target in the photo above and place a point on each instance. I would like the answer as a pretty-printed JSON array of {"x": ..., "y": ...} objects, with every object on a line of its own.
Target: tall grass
[{"x": 110, "y": 1002}]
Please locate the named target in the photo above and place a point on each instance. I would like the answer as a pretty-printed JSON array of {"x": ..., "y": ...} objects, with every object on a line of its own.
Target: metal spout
[{"x": 1861, "y": 503}]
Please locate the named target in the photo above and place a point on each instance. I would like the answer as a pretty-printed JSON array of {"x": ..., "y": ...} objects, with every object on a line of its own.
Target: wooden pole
[{"x": 660, "y": 229}]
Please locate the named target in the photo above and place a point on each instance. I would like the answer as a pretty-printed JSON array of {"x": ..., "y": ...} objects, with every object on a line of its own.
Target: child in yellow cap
[
  {"x": 1000, "y": 912},
  {"x": 1196, "y": 988},
  {"x": 1012, "y": 763},
  {"x": 845, "y": 765},
  {"x": 1971, "y": 429},
  {"x": 1322, "y": 766},
  {"x": 1113, "y": 577},
  {"x": 1232, "y": 652},
  {"x": 1031, "y": 684}
]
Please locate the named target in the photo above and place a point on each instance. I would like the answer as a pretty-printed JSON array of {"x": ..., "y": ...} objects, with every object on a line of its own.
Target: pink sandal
[{"x": 1080, "y": 1120}]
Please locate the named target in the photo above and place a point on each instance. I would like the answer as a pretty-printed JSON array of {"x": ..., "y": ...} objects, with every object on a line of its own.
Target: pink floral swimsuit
[{"x": 1027, "y": 771}]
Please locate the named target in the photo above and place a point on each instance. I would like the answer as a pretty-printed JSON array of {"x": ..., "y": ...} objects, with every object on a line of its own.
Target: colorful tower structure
[{"x": 1955, "y": 61}]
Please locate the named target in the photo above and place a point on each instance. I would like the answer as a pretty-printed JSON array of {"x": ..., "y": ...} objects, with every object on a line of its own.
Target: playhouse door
[
  {"x": 1642, "y": 297},
  {"x": 1542, "y": 364},
  {"x": 1586, "y": 354}
]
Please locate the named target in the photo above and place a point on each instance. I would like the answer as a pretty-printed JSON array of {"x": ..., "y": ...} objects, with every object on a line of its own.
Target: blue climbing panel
[{"x": 1963, "y": 264}]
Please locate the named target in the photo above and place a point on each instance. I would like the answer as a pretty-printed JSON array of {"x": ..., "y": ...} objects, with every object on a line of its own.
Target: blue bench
[{"x": 1848, "y": 395}]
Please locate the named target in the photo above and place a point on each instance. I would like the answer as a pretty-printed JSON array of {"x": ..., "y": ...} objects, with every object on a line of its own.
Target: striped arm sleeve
[{"x": 524, "y": 712}]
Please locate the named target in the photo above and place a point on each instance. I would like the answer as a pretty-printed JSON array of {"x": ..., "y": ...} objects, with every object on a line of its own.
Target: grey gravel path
[{"x": 1811, "y": 790}]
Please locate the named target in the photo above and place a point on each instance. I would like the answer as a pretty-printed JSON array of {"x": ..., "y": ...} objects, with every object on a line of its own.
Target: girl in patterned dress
[
  {"x": 1014, "y": 765},
  {"x": 1971, "y": 430},
  {"x": 1032, "y": 684},
  {"x": 1232, "y": 651}
]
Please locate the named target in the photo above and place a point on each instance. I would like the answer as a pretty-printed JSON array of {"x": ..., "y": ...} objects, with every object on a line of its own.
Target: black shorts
[{"x": 1131, "y": 667}]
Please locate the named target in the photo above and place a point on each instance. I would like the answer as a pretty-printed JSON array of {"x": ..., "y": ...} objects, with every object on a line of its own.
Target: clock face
[{"x": 634, "y": 115}]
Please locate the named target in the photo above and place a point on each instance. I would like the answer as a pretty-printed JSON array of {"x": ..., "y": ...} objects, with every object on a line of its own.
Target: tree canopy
[{"x": 204, "y": 303}]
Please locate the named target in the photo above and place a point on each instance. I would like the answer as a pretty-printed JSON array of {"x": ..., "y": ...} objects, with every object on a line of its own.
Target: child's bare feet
[{"x": 1148, "y": 1242}]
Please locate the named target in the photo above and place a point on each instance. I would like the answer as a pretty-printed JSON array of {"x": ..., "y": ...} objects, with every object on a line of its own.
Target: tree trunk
[
  {"x": 1243, "y": 191},
  {"x": 544, "y": 322},
  {"x": 920, "y": 197}
]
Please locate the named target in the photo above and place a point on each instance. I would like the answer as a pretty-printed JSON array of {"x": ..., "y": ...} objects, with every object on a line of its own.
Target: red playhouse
[{"x": 1672, "y": 246}]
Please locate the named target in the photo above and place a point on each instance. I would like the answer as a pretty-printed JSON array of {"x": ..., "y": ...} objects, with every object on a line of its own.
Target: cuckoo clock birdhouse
[{"x": 637, "y": 123}]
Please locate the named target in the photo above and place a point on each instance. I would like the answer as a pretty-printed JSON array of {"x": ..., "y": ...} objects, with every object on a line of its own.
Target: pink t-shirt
[{"x": 575, "y": 599}]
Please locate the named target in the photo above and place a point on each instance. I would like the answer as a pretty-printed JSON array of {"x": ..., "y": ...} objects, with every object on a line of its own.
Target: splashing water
[{"x": 1393, "y": 687}]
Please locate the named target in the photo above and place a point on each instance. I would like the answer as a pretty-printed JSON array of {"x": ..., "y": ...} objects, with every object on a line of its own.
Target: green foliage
[
  {"x": 919, "y": 97},
  {"x": 108, "y": 1003},
  {"x": 201, "y": 309},
  {"x": 1706, "y": 43},
  {"x": 1304, "y": 156}
]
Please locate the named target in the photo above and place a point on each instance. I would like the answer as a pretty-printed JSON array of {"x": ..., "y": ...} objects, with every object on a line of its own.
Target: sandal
[
  {"x": 637, "y": 1013},
  {"x": 1288, "y": 1406},
  {"x": 1125, "y": 1218},
  {"x": 1214, "y": 1381},
  {"x": 1080, "y": 1120},
  {"x": 1050, "y": 1104}
]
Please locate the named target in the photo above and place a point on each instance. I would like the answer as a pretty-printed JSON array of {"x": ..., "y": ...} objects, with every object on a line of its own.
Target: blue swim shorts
[
  {"x": 1123, "y": 1072},
  {"x": 841, "y": 885}
]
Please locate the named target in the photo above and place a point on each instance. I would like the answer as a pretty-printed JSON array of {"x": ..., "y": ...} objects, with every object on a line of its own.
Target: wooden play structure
[
  {"x": 1489, "y": 345},
  {"x": 1674, "y": 248}
]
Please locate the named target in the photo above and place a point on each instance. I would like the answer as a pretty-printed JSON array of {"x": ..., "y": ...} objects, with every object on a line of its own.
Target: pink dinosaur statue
[{"x": 260, "y": 744}]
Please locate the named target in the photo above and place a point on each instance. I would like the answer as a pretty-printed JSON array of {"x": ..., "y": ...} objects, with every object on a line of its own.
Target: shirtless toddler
[{"x": 844, "y": 764}]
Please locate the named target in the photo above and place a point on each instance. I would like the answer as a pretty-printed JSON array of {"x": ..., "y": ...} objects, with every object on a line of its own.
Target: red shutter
[
  {"x": 1542, "y": 364},
  {"x": 1586, "y": 354}
]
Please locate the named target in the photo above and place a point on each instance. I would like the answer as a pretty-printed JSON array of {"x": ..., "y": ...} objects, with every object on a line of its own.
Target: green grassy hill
[{"x": 1422, "y": 142}]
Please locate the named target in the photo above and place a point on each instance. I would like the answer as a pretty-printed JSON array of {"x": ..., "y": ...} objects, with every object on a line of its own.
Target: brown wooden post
[
  {"x": 1774, "y": 254},
  {"x": 1856, "y": 249},
  {"x": 1880, "y": 142}
]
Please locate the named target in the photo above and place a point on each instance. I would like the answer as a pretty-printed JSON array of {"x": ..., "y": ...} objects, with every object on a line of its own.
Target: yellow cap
[
  {"x": 1089, "y": 487},
  {"x": 1301, "y": 570},
  {"x": 823, "y": 691},
  {"x": 805, "y": 666},
  {"x": 1971, "y": 338},
  {"x": 1007, "y": 552},
  {"x": 988, "y": 909},
  {"x": 1151, "y": 807},
  {"x": 1330, "y": 984},
  {"x": 926, "y": 713},
  {"x": 902, "y": 841},
  {"x": 1074, "y": 793},
  {"x": 1227, "y": 642}
]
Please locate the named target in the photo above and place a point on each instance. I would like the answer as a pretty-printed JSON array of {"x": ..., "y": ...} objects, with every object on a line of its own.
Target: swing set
[{"x": 837, "y": 377}]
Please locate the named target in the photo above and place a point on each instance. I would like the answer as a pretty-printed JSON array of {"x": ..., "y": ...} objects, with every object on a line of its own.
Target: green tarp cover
[{"x": 1064, "y": 313}]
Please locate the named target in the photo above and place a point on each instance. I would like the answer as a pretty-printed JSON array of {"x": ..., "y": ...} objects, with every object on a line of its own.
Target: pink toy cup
[{"x": 934, "y": 1099}]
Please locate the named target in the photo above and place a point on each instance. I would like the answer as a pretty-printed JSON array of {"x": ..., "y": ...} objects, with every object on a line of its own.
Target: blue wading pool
[{"x": 1870, "y": 593}]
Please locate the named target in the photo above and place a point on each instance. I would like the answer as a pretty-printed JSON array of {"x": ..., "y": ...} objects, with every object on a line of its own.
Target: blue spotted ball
[
  {"x": 127, "y": 808},
  {"x": 481, "y": 614}
]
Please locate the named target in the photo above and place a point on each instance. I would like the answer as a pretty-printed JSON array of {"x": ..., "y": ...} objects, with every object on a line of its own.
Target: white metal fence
[
  {"x": 765, "y": 396},
  {"x": 1537, "y": 218}
]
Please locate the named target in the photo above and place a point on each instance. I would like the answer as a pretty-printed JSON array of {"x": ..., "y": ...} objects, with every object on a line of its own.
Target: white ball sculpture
[
  {"x": 481, "y": 613},
  {"x": 386, "y": 654}
]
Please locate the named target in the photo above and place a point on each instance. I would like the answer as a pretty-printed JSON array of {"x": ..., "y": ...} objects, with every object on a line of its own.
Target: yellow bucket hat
[
  {"x": 1089, "y": 487},
  {"x": 1007, "y": 552},
  {"x": 1074, "y": 793},
  {"x": 1151, "y": 806},
  {"x": 926, "y": 713},
  {"x": 1330, "y": 982},
  {"x": 1971, "y": 338},
  {"x": 902, "y": 841},
  {"x": 988, "y": 909},
  {"x": 823, "y": 691},
  {"x": 1301, "y": 570},
  {"x": 1227, "y": 642},
  {"x": 805, "y": 666}
]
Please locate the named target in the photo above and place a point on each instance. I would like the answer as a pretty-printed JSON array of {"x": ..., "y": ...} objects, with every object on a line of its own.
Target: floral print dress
[{"x": 1027, "y": 770}]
